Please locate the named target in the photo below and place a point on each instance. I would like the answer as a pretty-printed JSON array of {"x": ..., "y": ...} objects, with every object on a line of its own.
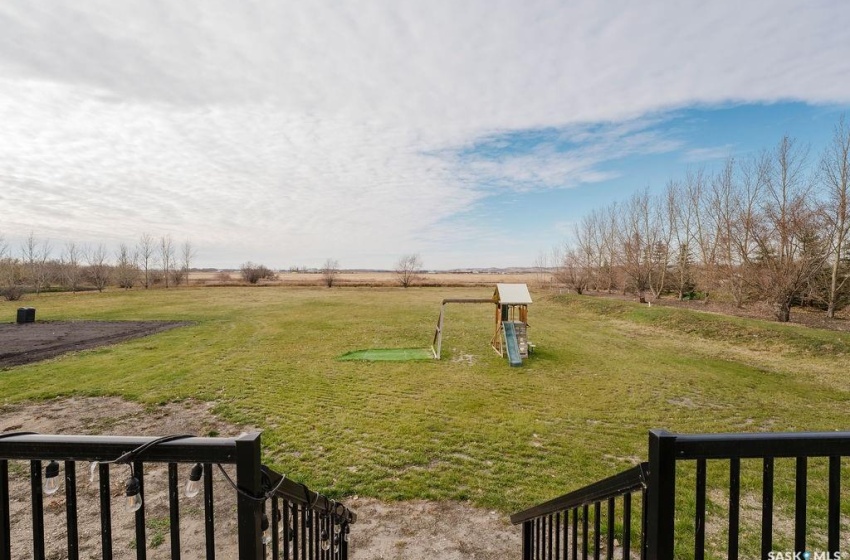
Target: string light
[
  {"x": 51, "y": 478},
  {"x": 265, "y": 526},
  {"x": 326, "y": 541},
  {"x": 92, "y": 470},
  {"x": 134, "y": 494},
  {"x": 193, "y": 485}
]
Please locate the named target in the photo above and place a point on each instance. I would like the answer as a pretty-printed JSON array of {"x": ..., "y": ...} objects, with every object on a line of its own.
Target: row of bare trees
[
  {"x": 773, "y": 228},
  {"x": 37, "y": 266}
]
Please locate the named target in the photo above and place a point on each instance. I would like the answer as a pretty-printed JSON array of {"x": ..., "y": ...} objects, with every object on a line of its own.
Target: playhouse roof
[{"x": 512, "y": 294}]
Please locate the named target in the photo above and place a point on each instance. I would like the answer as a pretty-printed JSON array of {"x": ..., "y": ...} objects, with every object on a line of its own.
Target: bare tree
[
  {"x": 580, "y": 264},
  {"x": 126, "y": 267},
  {"x": 36, "y": 255},
  {"x": 790, "y": 249},
  {"x": 680, "y": 218},
  {"x": 835, "y": 175},
  {"x": 10, "y": 274},
  {"x": 576, "y": 270},
  {"x": 541, "y": 269},
  {"x": 330, "y": 270},
  {"x": 637, "y": 240},
  {"x": 98, "y": 269},
  {"x": 408, "y": 269},
  {"x": 731, "y": 205},
  {"x": 70, "y": 264},
  {"x": 187, "y": 255},
  {"x": 610, "y": 254},
  {"x": 166, "y": 256},
  {"x": 146, "y": 251}
]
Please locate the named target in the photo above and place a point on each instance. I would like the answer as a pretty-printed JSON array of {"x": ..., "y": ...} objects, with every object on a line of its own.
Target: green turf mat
[{"x": 389, "y": 354}]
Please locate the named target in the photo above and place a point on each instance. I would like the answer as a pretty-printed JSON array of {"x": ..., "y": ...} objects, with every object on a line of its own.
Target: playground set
[
  {"x": 510, "y": 337},
  {"x": 511, "y": 326}
]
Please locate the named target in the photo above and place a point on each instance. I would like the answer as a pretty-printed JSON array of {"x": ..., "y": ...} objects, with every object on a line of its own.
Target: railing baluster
[
  {"x": 575, "y": 533},
  {"x": 597, "y": 530},
  {"x": 37, "y": 511},
  {"x": 627, "y": 525},
  {"x": 585, "y": 544},
  {"x": 609, "y": 553},
  {"x": 304, "y": 543},
  {"x": 767, "y": 507},
  {"x": 105, "y": 512},
  {"x": 209, "y": 511},
  {"x": 141, "y": 539},
  {"x": 566, "y": 532},
  {"x": 275, "y": 528},
  {"x": 834, "y": 507},
  {"x": 800, "y": 505},
  {"x": 644, "y": 513},
  {"x": 549, "y": 538},
  {"x": 296, "y": 519},
  {"x": 557, "y": 535},
  {"x": 734, "y": 506},
  {"x": 311, "y": 540},
  {"x": 5, "y": 517},
  {"x": 537, "y": 539},
  {"x": 71, "y": 510},
  {"x": 287, "y": 536},
  {"x": 174, "y": 510},
  {"x": 699, "y": 515}
]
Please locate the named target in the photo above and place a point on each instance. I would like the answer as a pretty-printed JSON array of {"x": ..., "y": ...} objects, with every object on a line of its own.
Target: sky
[{"x": 474, "y": 133}]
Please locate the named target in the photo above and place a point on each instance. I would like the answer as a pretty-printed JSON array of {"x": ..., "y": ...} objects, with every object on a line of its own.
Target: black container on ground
[{"x": 26, "y": 315}]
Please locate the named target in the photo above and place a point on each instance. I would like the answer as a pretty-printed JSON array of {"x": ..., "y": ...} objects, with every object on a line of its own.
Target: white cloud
[
  {"x": 291, "y": 132},
  {"x": 697, "y": 155}
]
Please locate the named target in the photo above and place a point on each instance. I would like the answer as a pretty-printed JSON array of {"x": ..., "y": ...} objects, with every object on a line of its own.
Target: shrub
[{"x": 253, "y": 273}]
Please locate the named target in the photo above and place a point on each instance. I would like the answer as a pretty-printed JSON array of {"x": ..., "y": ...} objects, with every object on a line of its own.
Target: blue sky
[{"x": 474, "y": 134}]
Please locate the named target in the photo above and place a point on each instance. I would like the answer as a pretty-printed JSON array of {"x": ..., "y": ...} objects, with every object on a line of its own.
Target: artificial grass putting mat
[{"x": 389, "y": 355}]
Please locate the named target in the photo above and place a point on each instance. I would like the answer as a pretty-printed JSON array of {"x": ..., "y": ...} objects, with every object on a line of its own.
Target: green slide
[{"x": 511, "y": 344}]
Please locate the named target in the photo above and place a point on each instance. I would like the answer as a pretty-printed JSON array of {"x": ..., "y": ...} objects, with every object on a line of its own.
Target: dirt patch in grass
[
  {"x": 413, "y": 529},
  {"x": 31, "y": 342}
]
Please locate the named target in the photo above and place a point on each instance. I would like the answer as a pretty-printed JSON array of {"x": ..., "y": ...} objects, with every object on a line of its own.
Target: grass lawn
[{"x": 467, "y": 427}]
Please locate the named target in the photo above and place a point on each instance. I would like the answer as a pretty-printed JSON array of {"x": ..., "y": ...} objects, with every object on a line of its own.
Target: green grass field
[{"x": 467, "y": 427}]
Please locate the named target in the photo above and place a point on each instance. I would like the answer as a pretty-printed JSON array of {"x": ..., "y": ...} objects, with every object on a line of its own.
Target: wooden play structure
[{"x": 511, "y": 333}]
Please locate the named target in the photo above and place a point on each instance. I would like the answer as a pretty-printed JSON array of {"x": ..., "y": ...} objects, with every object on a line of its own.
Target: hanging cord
[
  {"x": 134, "y": 454},
  {"x": 13, "y": 434},
  {"x": 266, "y": 494}
]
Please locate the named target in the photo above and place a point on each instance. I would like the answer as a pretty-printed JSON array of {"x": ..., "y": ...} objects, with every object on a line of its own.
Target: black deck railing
[
  {"x": 674, "y": 485},
  {"x": 274, "y": 514},
  {"x": 561, "y": 528}
]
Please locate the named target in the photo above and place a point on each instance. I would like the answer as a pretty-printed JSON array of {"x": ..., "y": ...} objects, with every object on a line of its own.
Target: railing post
[
  {"x": 249, "y": 512},
  {"x": 661, "y": 495}
]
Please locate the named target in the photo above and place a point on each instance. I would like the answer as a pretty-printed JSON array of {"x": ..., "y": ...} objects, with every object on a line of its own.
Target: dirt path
[{"x": 400, "y": 530}]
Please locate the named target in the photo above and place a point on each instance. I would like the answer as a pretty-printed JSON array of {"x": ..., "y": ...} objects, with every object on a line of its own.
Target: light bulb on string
[
  {"x": 193, "y": 485},
  {"x": 92, "y": 470},
  {"x": 326, "y": 541},
  {"x": 51, "y": 478},
  {"x": 134, "y": 494},
  {"x": 265, "y": 526}
]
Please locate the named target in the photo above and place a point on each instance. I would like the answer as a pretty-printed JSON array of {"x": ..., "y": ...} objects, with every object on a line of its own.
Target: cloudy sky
[{"x": 471, "y": 132}]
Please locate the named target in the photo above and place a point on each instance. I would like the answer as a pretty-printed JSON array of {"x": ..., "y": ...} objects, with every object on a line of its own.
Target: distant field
[
  {"x": 464, "y": 428},
  {"x": 377, "y": 278}
]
